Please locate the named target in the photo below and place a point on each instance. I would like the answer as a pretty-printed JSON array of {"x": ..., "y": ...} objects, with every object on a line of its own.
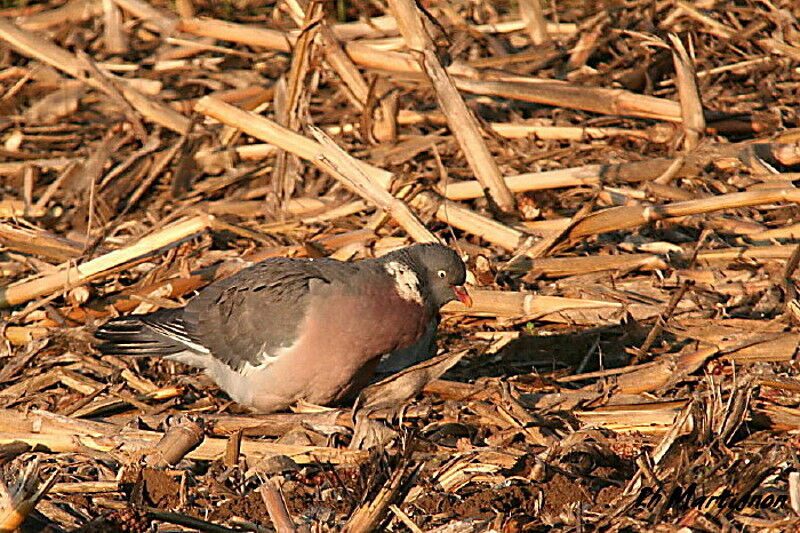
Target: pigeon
[{"x": 286, "y": 330}]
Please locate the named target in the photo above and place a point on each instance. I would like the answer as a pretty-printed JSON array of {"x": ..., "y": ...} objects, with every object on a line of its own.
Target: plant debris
[{"x": 620, "y": 178}]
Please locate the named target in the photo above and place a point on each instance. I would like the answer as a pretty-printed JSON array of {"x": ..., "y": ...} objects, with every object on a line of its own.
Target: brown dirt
[{"x": 161, "y": 489}]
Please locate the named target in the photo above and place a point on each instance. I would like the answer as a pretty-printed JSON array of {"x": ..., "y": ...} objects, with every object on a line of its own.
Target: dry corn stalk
[
  {"x": 69, "y": 275},
  {"x": 463, "y": 123},
  {"x": 276, "y": 507},
  {"x": 694, "y": 123},
  {"x": 182, "y": 435},
  {"x": 33, "y": 45},
  {"x": 18, "y": 499}
]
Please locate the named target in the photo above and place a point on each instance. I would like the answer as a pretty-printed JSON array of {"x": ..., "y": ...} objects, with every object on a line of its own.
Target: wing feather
[
  {"x": 140, "y": 335},
  {"x": 249, "y": 317}
]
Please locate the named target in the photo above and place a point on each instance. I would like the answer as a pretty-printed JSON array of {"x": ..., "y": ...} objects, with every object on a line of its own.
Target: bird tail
[{"x": 133, "y": 335}]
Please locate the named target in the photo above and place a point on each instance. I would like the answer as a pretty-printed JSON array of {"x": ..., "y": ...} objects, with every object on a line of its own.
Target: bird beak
[{"x": 462, "y": 295}]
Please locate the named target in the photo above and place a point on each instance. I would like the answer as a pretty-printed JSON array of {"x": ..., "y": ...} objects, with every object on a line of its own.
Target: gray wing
[{"x": 257, "y": 311}]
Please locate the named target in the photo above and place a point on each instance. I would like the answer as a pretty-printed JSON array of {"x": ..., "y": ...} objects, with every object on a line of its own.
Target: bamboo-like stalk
[
  {"x": 114, "y": 37},
  {"x": 569, "y": 177},
  {"x": 792, "y": 231},
  {"x": 535, "y": 23},
  {"x": 648, "y": 418},
  {"x": 50, "y": 423},
  {"x": 18, "y": 208},
  {"x": 594, "y": 99},
  {"x": 273, "y": 133},
  {"x": 367, "y": 181},
  {"x": 22, "y": 497},
  {"x": 39, "y": 242},
  {"x": 633, "y": 172},
  {"x": 239, "y": 33},
  {"x": 180, "y": 437},
  {"x": 385, "y": 25},
  {"x": 208, "y": 450},
  {"x": 521, "y": 304},
  {"x": 362, "y": 54},
  {"x": 346, "y": 169},
  {"x": 626, "y": 217},
  {"x": 462, "y": 218},
  {"x": 463, "y": 124},
  {"x": 275, "y": 503},
  {"x": 368, "y": 516},
  {"x": 86, "y": 487},
  {"x": 296, "y": 207},
  {"x": 573, "y": 133},
  {"x": 66, "y": 434},
  {"x": 69, "y": 275},
  {"x": 521, "y": 131},
  {"x": 745, "y": 253},
  {"x": 693, "y": 120},
  {"x": 22, "y": 335},
  {"x": 572, "y": 266}
]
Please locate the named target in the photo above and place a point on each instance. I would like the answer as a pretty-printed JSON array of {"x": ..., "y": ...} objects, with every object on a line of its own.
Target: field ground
[{"x": 624, "y": 195}]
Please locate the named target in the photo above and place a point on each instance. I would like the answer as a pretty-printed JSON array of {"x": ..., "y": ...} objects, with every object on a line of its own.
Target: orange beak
[{"x": 462, "y": 295}]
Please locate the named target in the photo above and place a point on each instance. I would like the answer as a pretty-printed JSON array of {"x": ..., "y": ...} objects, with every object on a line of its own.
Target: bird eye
[{"x": 441, "y": 274}]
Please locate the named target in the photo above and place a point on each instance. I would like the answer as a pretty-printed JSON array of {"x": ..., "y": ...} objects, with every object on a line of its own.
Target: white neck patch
[{"x": 406, "y": 282}]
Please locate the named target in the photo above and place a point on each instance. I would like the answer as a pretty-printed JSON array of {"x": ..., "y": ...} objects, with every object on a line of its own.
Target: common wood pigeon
[{"x": 289, "y": 329}]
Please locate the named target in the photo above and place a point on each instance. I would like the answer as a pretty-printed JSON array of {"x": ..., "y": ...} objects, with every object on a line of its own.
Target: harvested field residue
[{"x": 619, "y": 177}]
